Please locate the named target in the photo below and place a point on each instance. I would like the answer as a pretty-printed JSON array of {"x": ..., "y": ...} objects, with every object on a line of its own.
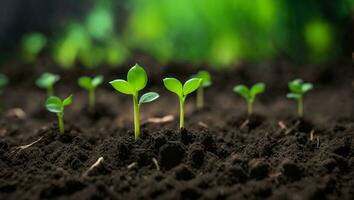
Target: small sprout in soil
[
  {"x": 297, "y": 89},
  {"x": 3, "y": 82},
  {"x": 206, "y": 82},
  {"x": 90, "y": 84},
  {"x": 47, "y": 81},
  {"x": 136, "y": 81},
  {"x": 250, "y": 94},
  {"x": 56, "y": 105},
  {"x": 175, "y": 86}
]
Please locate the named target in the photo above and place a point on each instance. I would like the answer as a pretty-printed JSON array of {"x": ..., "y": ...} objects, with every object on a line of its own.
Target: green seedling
[
  {"x": 136, "y": 81},
  {"x": 90, "y": 84},
  {"x": 206, "y": 82},
  {"x": 47, "y": 81},
  {"x": 56, "y": 105},
  {"x": 175, "y": 86},
  {"x": 3, "y": 82},
  {"x": 249, "y": 94},
  {"x": 297, "y": 89}
]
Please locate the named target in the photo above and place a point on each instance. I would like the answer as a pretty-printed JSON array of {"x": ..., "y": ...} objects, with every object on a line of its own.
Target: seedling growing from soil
[
  {"x": 250, "y": 94},
  {"x": 175, "y": 86},
  {"x": 206, "y": 82},
  {"x": 56, "y": 105},
  {"x": 90, "y": 84},
  {"x": 47, "y": 81},
  {"x": 136, "y": 81},
  {"x": 297, "y": 89},
  {"x": 3, "y": 82}
]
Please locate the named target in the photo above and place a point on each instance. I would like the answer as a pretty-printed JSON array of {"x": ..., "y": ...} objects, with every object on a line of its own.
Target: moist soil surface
[{"x": 221, "y": 154}]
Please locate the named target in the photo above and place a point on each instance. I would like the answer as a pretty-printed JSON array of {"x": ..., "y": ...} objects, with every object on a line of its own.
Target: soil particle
[
  {"x": 290, "y": 169},
  {"x": 183, "y": 172},
  {"x": 171, "y": 154},
  {"x": 258, "y": 169}
]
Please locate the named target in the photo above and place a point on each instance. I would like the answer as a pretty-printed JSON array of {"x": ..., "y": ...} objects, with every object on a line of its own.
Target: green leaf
[
  {"x": 67, "y": 101},
  {"x": 293, "y": 96},
  {"x": 205, "y": 76},
  {"x": 54, "y": 104},
  {"x": 295, "y": 86},
  {"x": 191, "y": 85},
  {"x": 98, "y": 80},
  {"x": 148, "y": 97},
  {"x": 306, "y": 87},
  {"x": 173, "y": 85},
  {"x": 257, "y": 89},
  {"x": 243, "y": 91},
  {"x": 137, "y": 77},
  {"x": 85, "y": 82},
  {"x": 123, "y": 86},
  {"x": 3, "y": 80},
  {"x": 47, "y": 80}
]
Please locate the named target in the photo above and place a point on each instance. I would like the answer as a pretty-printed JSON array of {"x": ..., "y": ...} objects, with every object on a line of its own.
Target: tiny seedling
[
  {"x": 206, "y": 82},
  {"x": 175, "y": 86},
  {"x": 297, "y": 89},
  {"x": 56, "y": 105},
  {"x": 250, "y": 94},
  {"x": 136, "y": 81},
  {"x": 3, "y": 82},
  {"x": 47, "y": 81},
  {"x": 90, "y": 84}
]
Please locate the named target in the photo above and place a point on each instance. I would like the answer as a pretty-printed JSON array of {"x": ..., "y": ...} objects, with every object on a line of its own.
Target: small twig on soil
[
  {"x": 312, "y": 134},
  {"x": 17, "y": 112},
  {"x": 96, "y": 164},
  {"x": 202, "y": 124},
  {"x": 159, "y": 120},
  {"x": 318, "y": 142},
  {"x": 244, "y": 124},
  {"x": 133, "y": 164},
  {"x": 292, "y": 128},
  {"x": 3, "y": 132},
  {"x": 282, "y": 125},
  {"x": 156, "y": 164},
  {"x": 20, "y": 148}
]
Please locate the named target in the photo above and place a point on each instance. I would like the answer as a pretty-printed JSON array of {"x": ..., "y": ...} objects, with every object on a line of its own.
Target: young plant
[
  {"x": 3, "y": 82},
  {"x": 90, "y": 84},
  {"x": 206, "y": 82},
  {"x": 175, "y": 86},
  {"x": 136, "y": 81},
  {"x": 297, "y": 89},
  {"x": 47, "y": 81},
  {"x": 56, "y": 105},
  {"x": 250, "y": 94}
]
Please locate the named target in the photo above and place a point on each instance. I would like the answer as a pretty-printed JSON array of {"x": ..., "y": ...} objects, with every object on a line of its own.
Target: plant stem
[
  {"x": 136, "y": 116},
  {"x": 200, "y": 98},
  {"x": 61, "y": 123},
  {"x": 300, "y": 107},
  {"x": 50, "y": 91},
  {"x": 91, "y": 99},
  {"x": 249, "y": 108},
  {"x": 181, "y": 113}
]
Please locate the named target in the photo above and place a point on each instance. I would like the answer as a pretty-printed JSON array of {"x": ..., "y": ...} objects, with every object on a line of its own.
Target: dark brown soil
[{"x": 217, "y": 156}]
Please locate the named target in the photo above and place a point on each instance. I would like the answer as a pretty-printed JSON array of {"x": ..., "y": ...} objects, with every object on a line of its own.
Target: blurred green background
[{"x": 201, "y": 32}]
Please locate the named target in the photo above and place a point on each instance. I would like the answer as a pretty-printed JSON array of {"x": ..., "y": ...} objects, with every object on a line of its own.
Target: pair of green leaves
[
  {"x": 175, "y": 86},
  {"x": 89, "y": 83},
  {"x": 47, "y": 80},
  {"x": 205, "y": 76},
  {"x": 56, "y": 105},
  {"x": 249, "y": 94},
  {"x": 136, "y": 81},
  {"x": 298, "y": 88}
]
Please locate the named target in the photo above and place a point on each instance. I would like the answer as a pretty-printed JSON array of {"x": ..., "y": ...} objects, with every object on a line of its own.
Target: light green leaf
[
  {"x": 257, "y": 89},
  {"x": 67, "y": 101},
  {"x": 191, "y": 85},
  {"x": 242, "y": 90},
  {"x": 123, "y": 86},
  {"x": 306, "y": 87},
  {"x": 85, "y": 82},
  {"x": 137, "y": 77},
  {"x": 173, "y": 85},
  {"x": 148, "y": 97},
  {"x": 98, "y": 80},
  {"x": 54, "y": 104},
  {"x": 295, "y": 87},
  {"x": 47, "y": 80},
  {"x": 205, "y": 76},
  {"x": 293, "y": 96}
]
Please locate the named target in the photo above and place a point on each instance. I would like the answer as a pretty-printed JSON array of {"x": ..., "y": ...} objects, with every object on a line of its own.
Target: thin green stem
[
  {"x": 249, "y": 108},
  {"x": 136, "y": 116},
  {"x": 61, "y": 123},
  {"x": 92, "y": 99},
  {"x": 181, "y": 113},
  {"x": 200, "y": 98},
  {"x": 300, "y": 107},
  {"x": 50, "y": 91}
]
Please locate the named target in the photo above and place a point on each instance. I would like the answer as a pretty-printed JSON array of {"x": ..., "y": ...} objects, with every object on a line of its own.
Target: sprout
[
  {"x": 176, "y": 87},
  {"x": 249, "y": 94},
  {"x": 56, "y": 105},
  {"x": 3, "y": 82},
  {"x": 297, "y": 89},
  {"x": 90, "y": 84},
  {"x": 136, "y": 81},
  {"x": 206, "y": 82},
  {"x": 47, "y": 81}
]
